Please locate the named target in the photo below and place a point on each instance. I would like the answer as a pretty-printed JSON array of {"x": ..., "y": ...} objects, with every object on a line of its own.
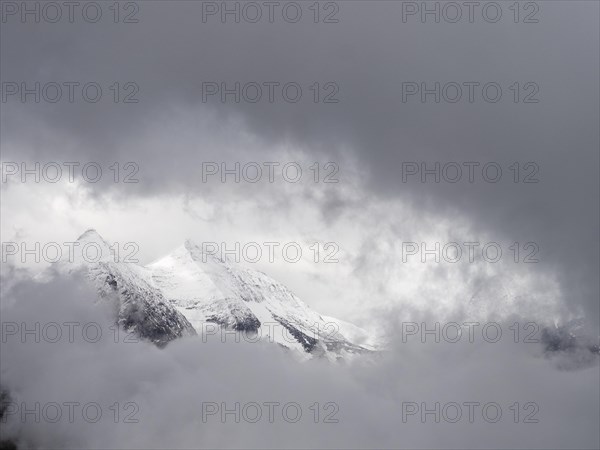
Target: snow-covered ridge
[
  {"x": 140, "y": 307},
  {"x": 207, "y": 290},
  {"x": 188, "y": 292}
]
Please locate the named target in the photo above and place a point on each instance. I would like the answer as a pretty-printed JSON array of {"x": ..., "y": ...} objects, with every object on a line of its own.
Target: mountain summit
[
  {"x": 141, "y": 307},
  {"x": 191, "y": 292},
  {"x": 208, "y": 289}
]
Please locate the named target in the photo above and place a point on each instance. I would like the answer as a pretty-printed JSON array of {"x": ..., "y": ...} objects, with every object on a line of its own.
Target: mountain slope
[
  {"x": 140, "y": 307},
  {"x": 189, "y": 292},
  {"x": 207, "y": 289}
]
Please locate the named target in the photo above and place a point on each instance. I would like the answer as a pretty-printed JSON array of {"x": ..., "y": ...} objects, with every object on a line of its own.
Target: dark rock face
[
  {"x": 4, "y": 401},
  {"x": 568, "y": 337},
  {"x": 571, "y": 345},
  {"x": 249, "y": 324},
  {"x": 246, "y": 324},
  {"x": 308, "y": 343},
  {"x": 233, "y": 316},
  {"x": 8, "y": 445},
  {"x": 318, "y": 345}
]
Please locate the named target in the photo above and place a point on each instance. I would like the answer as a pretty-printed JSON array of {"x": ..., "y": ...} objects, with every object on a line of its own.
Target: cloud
[
  {"x": 165, "y": 389},
  {"x": 170, "y": 52}
]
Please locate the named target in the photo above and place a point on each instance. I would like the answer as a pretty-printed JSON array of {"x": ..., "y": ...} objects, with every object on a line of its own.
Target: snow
[
  {"x": 203, "y": 286},
  {"x": 188, "y": 290}
]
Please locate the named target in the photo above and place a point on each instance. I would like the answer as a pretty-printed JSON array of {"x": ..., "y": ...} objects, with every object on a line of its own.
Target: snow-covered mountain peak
[
  {"x": 140, "y": 307},
  {"x": 207, "y": 289},
  {"x": 191, "y": 291},
  {"x": 205, "y": 255},
  {"x": 90, "y": 247},
  {"x": 92, "y": 236},
  {"x": 196, "y": 252}
]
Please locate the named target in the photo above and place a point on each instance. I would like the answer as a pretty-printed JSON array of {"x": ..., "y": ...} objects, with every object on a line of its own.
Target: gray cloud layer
[{"x": 170, "y": 385}]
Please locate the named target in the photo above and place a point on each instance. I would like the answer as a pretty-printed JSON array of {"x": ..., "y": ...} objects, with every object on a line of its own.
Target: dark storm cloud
[{"x": 368, "y": 54}]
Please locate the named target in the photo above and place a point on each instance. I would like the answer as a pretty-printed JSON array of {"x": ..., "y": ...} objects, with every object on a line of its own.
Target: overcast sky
[
  {"x": 369, "y": 133},
  {"x": 361, "y": 67}
]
